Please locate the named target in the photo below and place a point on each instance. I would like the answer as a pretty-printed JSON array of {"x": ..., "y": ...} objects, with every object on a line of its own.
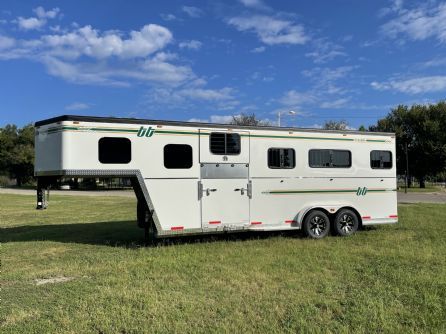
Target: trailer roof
[{"x": 97, "y": 119}]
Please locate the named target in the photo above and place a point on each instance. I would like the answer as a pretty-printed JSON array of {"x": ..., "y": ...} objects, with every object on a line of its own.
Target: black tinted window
[
  {"x": 281, "y": 158},
  {"x": 381, "y": 159},
  {"x": 330, "y": 158},
  {"x": 114, "y": 150},
  {"x": 177, "y": 156},
  {"x": 224, "y": 143}
]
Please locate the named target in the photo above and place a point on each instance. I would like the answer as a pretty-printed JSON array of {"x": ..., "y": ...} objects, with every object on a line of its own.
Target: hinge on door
[{"x": 249, "y": 189}]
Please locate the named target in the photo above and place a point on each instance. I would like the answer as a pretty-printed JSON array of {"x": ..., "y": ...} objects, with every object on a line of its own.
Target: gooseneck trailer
[{"x": 197, "y": 178}]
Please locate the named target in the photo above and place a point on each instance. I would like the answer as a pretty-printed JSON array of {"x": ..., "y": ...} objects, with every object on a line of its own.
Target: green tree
[
  {"x": 421, "y": 128},
  {"x": 336, "y": 125},
  {"x": 248, "y": 119},
  {"x": 17, "y": 152}
]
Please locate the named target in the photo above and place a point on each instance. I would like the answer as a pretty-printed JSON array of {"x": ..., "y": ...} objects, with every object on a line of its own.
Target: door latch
[
  {"x": 209, "y": 190},
  {"x": 242, "y": 190}
]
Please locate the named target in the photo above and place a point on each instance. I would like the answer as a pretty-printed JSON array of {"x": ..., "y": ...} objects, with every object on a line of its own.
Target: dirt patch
[{"x": 52, "y": 280}]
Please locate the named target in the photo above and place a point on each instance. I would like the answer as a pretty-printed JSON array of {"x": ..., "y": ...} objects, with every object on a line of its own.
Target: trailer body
[{"x": 193, "y": 178}]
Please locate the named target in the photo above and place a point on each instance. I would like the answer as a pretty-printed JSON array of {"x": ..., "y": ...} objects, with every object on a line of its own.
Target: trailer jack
[{"x": 43, "y": 192}]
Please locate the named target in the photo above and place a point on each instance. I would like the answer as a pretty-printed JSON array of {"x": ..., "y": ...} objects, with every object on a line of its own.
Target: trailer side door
[{"x": 224, "y": 187}]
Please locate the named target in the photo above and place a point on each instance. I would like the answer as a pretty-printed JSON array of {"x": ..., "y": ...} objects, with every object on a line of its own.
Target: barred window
[
  {"x": 281, "y": 158},
  {"x": 381, "y": 159},
  {"x": 330, "y": 159},
  {"x": 224, "y": 143}
]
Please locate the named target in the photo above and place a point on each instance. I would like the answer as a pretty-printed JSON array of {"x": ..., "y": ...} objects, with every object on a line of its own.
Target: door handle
[
  {"x": 209, "y": 190},
  {"x": 242, "y": 190}
]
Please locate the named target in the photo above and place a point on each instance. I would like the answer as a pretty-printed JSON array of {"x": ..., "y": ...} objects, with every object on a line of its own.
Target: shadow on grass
[{"x": 116, "y": 234}]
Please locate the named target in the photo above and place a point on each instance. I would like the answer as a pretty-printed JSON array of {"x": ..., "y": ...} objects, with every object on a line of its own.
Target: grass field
[
  {"x": 428, "y": 189},
  {"x": 384, "y": 279}
]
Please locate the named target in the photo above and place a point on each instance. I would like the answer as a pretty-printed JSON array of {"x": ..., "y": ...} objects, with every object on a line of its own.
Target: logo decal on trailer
[
  {"x": 143, "y": 132},
  {"x": 361, "y": 191}
]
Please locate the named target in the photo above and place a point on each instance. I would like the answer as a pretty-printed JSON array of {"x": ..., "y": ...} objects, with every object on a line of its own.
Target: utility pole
[
  {"x": 407, "y": 170},
  {"x": 291, "y": 112}
]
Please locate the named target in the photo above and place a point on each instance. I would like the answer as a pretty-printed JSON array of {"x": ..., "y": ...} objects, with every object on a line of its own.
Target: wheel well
[{"x": 329, "y": 215}]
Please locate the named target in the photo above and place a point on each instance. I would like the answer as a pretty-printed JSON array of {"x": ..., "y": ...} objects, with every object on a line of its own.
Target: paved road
[
  {"x": 438, "y": 197},
  {"x": 121, "y": 193}
]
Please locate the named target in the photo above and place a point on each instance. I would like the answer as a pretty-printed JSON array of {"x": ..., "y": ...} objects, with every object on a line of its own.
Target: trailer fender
[{"x": 328, "y": 209}]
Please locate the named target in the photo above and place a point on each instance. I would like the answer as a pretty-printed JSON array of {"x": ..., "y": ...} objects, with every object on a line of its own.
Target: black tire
[
  {"x": 346, "y": 223},
  {"x": 316, "y": 224}
]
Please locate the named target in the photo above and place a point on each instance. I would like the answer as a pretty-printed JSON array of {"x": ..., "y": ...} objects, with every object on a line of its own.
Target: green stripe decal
[
  {"x": 300, "y": 137},
  {"x": 278, "y": 192},
  {"x": 98, "y": 129}
]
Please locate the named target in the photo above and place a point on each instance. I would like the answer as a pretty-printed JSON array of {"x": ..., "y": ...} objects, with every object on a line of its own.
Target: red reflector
[
  {"x": 393, "y": 216},
  {"x": 256, "y": 223},
  {"x": 213, "y": 222},
  {"x": 176, "y": 228},
  {"x": 290, "y": 221},
  {"x": 366, "y": 217}
]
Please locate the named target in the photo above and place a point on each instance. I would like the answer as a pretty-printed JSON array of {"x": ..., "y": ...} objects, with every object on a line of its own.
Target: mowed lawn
[{"x": 383, "y": 279}]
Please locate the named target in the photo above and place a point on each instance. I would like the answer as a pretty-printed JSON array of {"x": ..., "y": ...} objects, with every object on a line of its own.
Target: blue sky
[{"x": 208, "y": 60}]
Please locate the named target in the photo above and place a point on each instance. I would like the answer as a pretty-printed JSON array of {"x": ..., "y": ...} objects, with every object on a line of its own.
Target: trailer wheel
[
  {"x": 346, "y": 223},
  {"x": 316, "y": 224}
]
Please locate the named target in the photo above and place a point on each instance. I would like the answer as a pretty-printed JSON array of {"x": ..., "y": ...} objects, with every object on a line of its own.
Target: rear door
[{"x": 224, "y": 169}]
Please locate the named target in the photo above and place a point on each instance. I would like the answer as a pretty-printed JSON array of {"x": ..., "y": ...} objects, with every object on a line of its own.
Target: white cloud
[
  {"x": 188, "y": 95},
  {"x": 326, "y": 75},
  {"x": 38, "y": 22},
  {"x": 325, "y": 51},
  {"x": 80, "y": 73},
  {"x": 427, "y": 84},
  {"x": 259, "y": 49},
  {"x": 258, "y": 4},
  {"x": 193, "y": 11},
  {"x": 295, "y": 98},
  {"x": 78, "y": 106},
  {"x": 257, "y": 76},
  {"x": 42, "y": 14},
  {"x": 155, "y": 70},
  {"x": 192, "y": 45},
  {"x": 30, "y": 23},
  {"x": 198, "y": 120},
  {"x": 324, "y": 92},
  {"x": 335, "y": 104},
  {"x": 221, "y": 119},
  {"x": 89, "y": 42},
  {"x": 159, "y": 70},
  {"x": 6, "y": 42},
  {"x": 84, "y": 55},
  {"x": 428, "y": 20},
  {"x": 168, "y": 17},
  {"x": 271, "y": 30},
  {"x": 395, "y": 6},
  {"x": 207, "y": 94}
]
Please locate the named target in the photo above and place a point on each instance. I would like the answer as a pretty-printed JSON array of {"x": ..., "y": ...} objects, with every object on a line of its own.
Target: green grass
[{"x": 384, "y": 279}]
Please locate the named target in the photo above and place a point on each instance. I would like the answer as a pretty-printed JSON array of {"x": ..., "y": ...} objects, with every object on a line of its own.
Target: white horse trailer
[{"x": 196, "y": 178}]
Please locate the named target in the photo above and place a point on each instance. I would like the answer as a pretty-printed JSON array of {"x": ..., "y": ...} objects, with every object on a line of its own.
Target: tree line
[{"x": 420, "y": 130}]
